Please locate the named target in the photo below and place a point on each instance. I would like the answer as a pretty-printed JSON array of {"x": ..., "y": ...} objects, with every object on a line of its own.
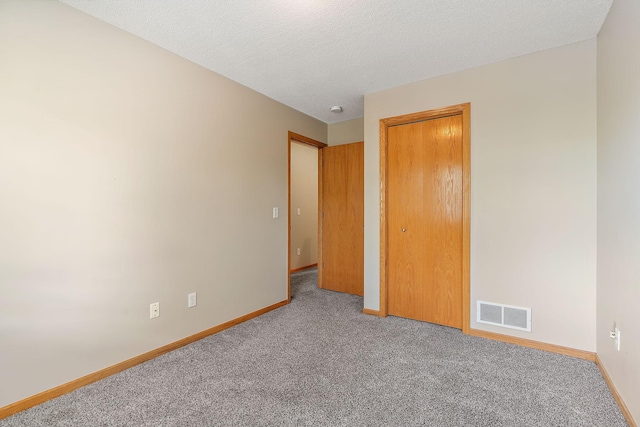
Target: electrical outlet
[
  {"x": 154, "y": 310},
  {"x": 298, "y": 251},
  {"x": 617, "y": 339},
  {"x": 192, "y": 300},
  {"x": 612, "y": 330}
]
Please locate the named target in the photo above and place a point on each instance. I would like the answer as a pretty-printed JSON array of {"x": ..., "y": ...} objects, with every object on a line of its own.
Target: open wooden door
[{"x": 341, "y": 218}]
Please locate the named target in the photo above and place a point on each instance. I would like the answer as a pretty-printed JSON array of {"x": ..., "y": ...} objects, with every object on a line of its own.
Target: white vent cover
[{"x": 504, "y": 315}]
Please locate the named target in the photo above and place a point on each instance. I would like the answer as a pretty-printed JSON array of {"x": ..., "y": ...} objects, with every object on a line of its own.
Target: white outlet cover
[
  {"x": 192, "y": 300},
  {"x": 154, "y": 310}
]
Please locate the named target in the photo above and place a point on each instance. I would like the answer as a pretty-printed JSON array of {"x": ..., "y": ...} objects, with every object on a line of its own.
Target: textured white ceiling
[{"x": 312, "y": 54}]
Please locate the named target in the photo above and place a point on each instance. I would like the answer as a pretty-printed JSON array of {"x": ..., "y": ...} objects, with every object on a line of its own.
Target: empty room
[{"x": 475, "y": 217}]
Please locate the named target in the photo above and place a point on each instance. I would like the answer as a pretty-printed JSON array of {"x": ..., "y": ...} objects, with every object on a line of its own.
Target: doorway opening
[
  {"x": 303, "y": 253},
  {"x": 303, "y": 232}
]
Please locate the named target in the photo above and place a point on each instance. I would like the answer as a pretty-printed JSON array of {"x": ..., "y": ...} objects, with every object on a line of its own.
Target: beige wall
[
  {"x": 619, "y": 197},
  {"x": 127, "y": 176},
  {"x": 533, "y": 185},
  {"x": 346, "y": 132},
  {"x": 304, "y": 196}
]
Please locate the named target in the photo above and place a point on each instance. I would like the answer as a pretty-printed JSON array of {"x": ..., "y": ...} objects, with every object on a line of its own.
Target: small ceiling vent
[{"x": 503, "y": 315}]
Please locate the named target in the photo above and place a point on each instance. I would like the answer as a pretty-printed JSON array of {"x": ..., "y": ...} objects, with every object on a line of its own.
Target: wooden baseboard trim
[
  {"x": 616, "y": 395},
  {"x": 567, "y": 351},
  {"x": 39, "y": 398},
  {"x": 295, "y": 270},
  {"x": 371, "y": 312}
]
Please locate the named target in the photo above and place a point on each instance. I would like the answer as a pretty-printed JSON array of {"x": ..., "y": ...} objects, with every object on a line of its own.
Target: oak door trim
[
  {"x": 291, "y": 137},
  {"x": 320, "y": 222},
  {"x": 463, "y": 110},
  {"x": 305, "y": 140}
]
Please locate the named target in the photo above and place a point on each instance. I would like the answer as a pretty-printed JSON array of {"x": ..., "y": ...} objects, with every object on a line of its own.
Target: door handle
[{"x": 404, "y": 229}]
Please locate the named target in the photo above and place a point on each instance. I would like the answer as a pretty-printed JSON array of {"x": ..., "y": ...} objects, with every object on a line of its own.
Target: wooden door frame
[
  {"x": 463, "y": 110},
  {"x": 295, "y": 137}
]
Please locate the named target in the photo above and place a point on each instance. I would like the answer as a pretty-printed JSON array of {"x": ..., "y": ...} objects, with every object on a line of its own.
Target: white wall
[
  {"x": 346, "y": 132},
  {"x": 619, "y": 197},
  {"x": 304, "y": 196},
  {"x": 533, "y": 185},
  {"x": 127, "y": 176}
]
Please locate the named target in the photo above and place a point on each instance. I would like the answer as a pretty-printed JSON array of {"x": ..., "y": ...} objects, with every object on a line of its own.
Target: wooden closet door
[{"x": 424, "y": 211}]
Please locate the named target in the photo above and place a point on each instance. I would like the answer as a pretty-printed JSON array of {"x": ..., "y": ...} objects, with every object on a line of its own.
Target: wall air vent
[{"x": 506, "y": 316}]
